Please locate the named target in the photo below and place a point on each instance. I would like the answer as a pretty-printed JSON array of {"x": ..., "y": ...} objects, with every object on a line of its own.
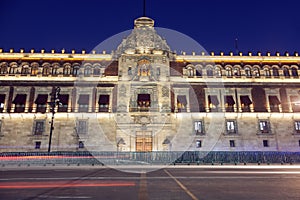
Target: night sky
[{"x": 259, "y": 25}]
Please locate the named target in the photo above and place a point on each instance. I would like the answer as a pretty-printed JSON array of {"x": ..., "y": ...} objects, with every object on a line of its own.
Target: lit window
[
  {"x": 199, "y": 127},
  {"x": 232, "y": 143},
  {"x": 37, "y": 145},
  {"x": 264, "y": 126},
  {"x": 267, "y": 72},
  {"x": 297, "y": 126},
  {"x": 256, "y": 72},
  {"x": 228, "y": 72},
  {"x": 265, "y": 143},
  {"x": 248, "y": 72},
  {"x": 237, "y": 72},
  {"x": 103, "y": 103},
  {"x": 198, "y": 144},
  {"x": 2, "y": 101},
  {"x": 39, "y": 127},
  {"x": 231, "y": 127},
  {"x": 83, "y": 103},
  {"x": 190, "y": 71},
  {"x": 218, "y": 72},
  {"x": 81, "y": 127}
]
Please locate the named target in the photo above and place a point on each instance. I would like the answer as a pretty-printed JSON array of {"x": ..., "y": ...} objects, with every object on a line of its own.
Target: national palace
[{"x": 144, "y": 97}]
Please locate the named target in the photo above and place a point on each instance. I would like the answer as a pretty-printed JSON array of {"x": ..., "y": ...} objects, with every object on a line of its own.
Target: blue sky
[{"x": 259, "y": 25}]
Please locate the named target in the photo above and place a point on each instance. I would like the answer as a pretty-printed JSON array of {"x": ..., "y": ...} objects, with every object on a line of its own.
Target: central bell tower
[{"x": 144, "y": 87}]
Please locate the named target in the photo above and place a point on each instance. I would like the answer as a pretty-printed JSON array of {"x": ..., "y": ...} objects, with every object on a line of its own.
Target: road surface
[{"x": 174, "y": 182}]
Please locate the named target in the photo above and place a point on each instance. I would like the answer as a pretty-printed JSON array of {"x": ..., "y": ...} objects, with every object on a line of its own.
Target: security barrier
[{"x": 146, "y": 158}]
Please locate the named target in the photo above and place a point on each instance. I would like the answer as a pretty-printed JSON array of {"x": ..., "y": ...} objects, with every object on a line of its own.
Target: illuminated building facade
[{"x": 143, "y": 97}]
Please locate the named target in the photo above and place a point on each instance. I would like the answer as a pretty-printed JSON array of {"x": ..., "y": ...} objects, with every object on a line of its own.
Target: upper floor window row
[
  {"x": 248, "y": 71},
  {"x": 45, "y": 69}
]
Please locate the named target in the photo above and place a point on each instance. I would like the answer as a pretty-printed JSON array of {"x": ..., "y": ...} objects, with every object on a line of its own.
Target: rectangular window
[
  {"x": 265, "y": 143},
  {"x": 0, "y": 126},
  {"x": 39, "y": 127},
  {"x": 198, "y": 126},
  {"x": 37, "y": 145},
  {"x": 299, "y": 143},
  {"x": 198, "y": 144},
  {"x": 245, "y": 103},
  {"x": 297, "y": 126},
  {"x": 81, "y": 127},
  {"x": 41, "y": 103},
  {"x": 213, "y": 103},
  {"x": 229, "y": 103},
  {"x": 295, "y": 101},
  {"x": 20, "y": 101},
  {"x": 103, "y": 103},
  {"x": 231, "y": 127},
  {"x": 83, "y": 103},
  {"x": 2, "y": 101},
  {"x": 63, "y": 103},
  {"x": 264, "y": 126},
  {"x": 274, "y": 103},
  {"x": 80, "y": 145},
  {"x": 232, "y": 143}
]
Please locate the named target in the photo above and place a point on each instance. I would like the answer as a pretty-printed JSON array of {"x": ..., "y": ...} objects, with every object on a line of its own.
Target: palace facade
[{"x": 144, "y": 97}]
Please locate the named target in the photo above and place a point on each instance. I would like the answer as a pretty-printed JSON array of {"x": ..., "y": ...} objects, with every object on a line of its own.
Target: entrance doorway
[{"x": 143, "y": 141}]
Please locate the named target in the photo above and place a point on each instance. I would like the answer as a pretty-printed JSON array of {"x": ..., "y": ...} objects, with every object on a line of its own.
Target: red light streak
[{"x": 57, "y": 184}]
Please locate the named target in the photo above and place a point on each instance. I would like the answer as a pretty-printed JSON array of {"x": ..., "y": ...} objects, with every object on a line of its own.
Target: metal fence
[{"x": 146, "y": 158}]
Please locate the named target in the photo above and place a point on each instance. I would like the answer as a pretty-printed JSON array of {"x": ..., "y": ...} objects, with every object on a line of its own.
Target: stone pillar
[
  {"x": 10, "y": 99},
  {"x": 31, "y": 99},
  {"x": 74, "y": 107},
  {"x": 94, "y": 99}
]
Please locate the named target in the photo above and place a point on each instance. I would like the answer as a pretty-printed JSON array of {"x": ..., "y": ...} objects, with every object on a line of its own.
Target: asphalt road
[{"x": 190, "y": 182}]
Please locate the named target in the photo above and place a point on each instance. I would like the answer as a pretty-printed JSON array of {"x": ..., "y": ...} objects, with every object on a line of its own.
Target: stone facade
[{"x": 143, "y": 97}]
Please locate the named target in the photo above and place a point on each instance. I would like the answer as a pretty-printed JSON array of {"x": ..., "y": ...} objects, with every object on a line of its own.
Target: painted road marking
[
  {"x": 182, "y": 186},
  {"x": 143, "y": 193}
]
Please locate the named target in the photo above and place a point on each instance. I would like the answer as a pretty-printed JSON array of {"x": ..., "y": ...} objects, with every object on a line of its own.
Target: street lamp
[{"x": 54, "y": 101}]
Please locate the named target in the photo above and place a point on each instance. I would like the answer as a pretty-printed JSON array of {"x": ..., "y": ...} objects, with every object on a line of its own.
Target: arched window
[
  {"x": 67, "y": 69},
  {"x": 75, "y": 70},
  {"x": 55, "y": 69},
  {"x": 209, "y": 72},
  {"x": 237, "y": 72},
  {"x": 190, "y": 71},
  {"x": 25, "y": 69},
  {"x": 87, "y": 71},
  {"x": 256, "y": 72},
  {"x": 275, "y": 72},
  {"x": 13, "y": 68},
  {"x": 34, "y": 70},
  {"x": 198, "y": 71},
  {"x": 3, "y": 68},
  {"x": 294, "y": 72},
  {"x": 218, "y": 72},
  {"x": 248, "y": 72},
  {"x": 46, "y": 70},
  {"x": 97, "y": 71},
  {"x": 267, "y": 72},
  {"x": 228, "y": 71},
  {"x": 286, "y": 72}
]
